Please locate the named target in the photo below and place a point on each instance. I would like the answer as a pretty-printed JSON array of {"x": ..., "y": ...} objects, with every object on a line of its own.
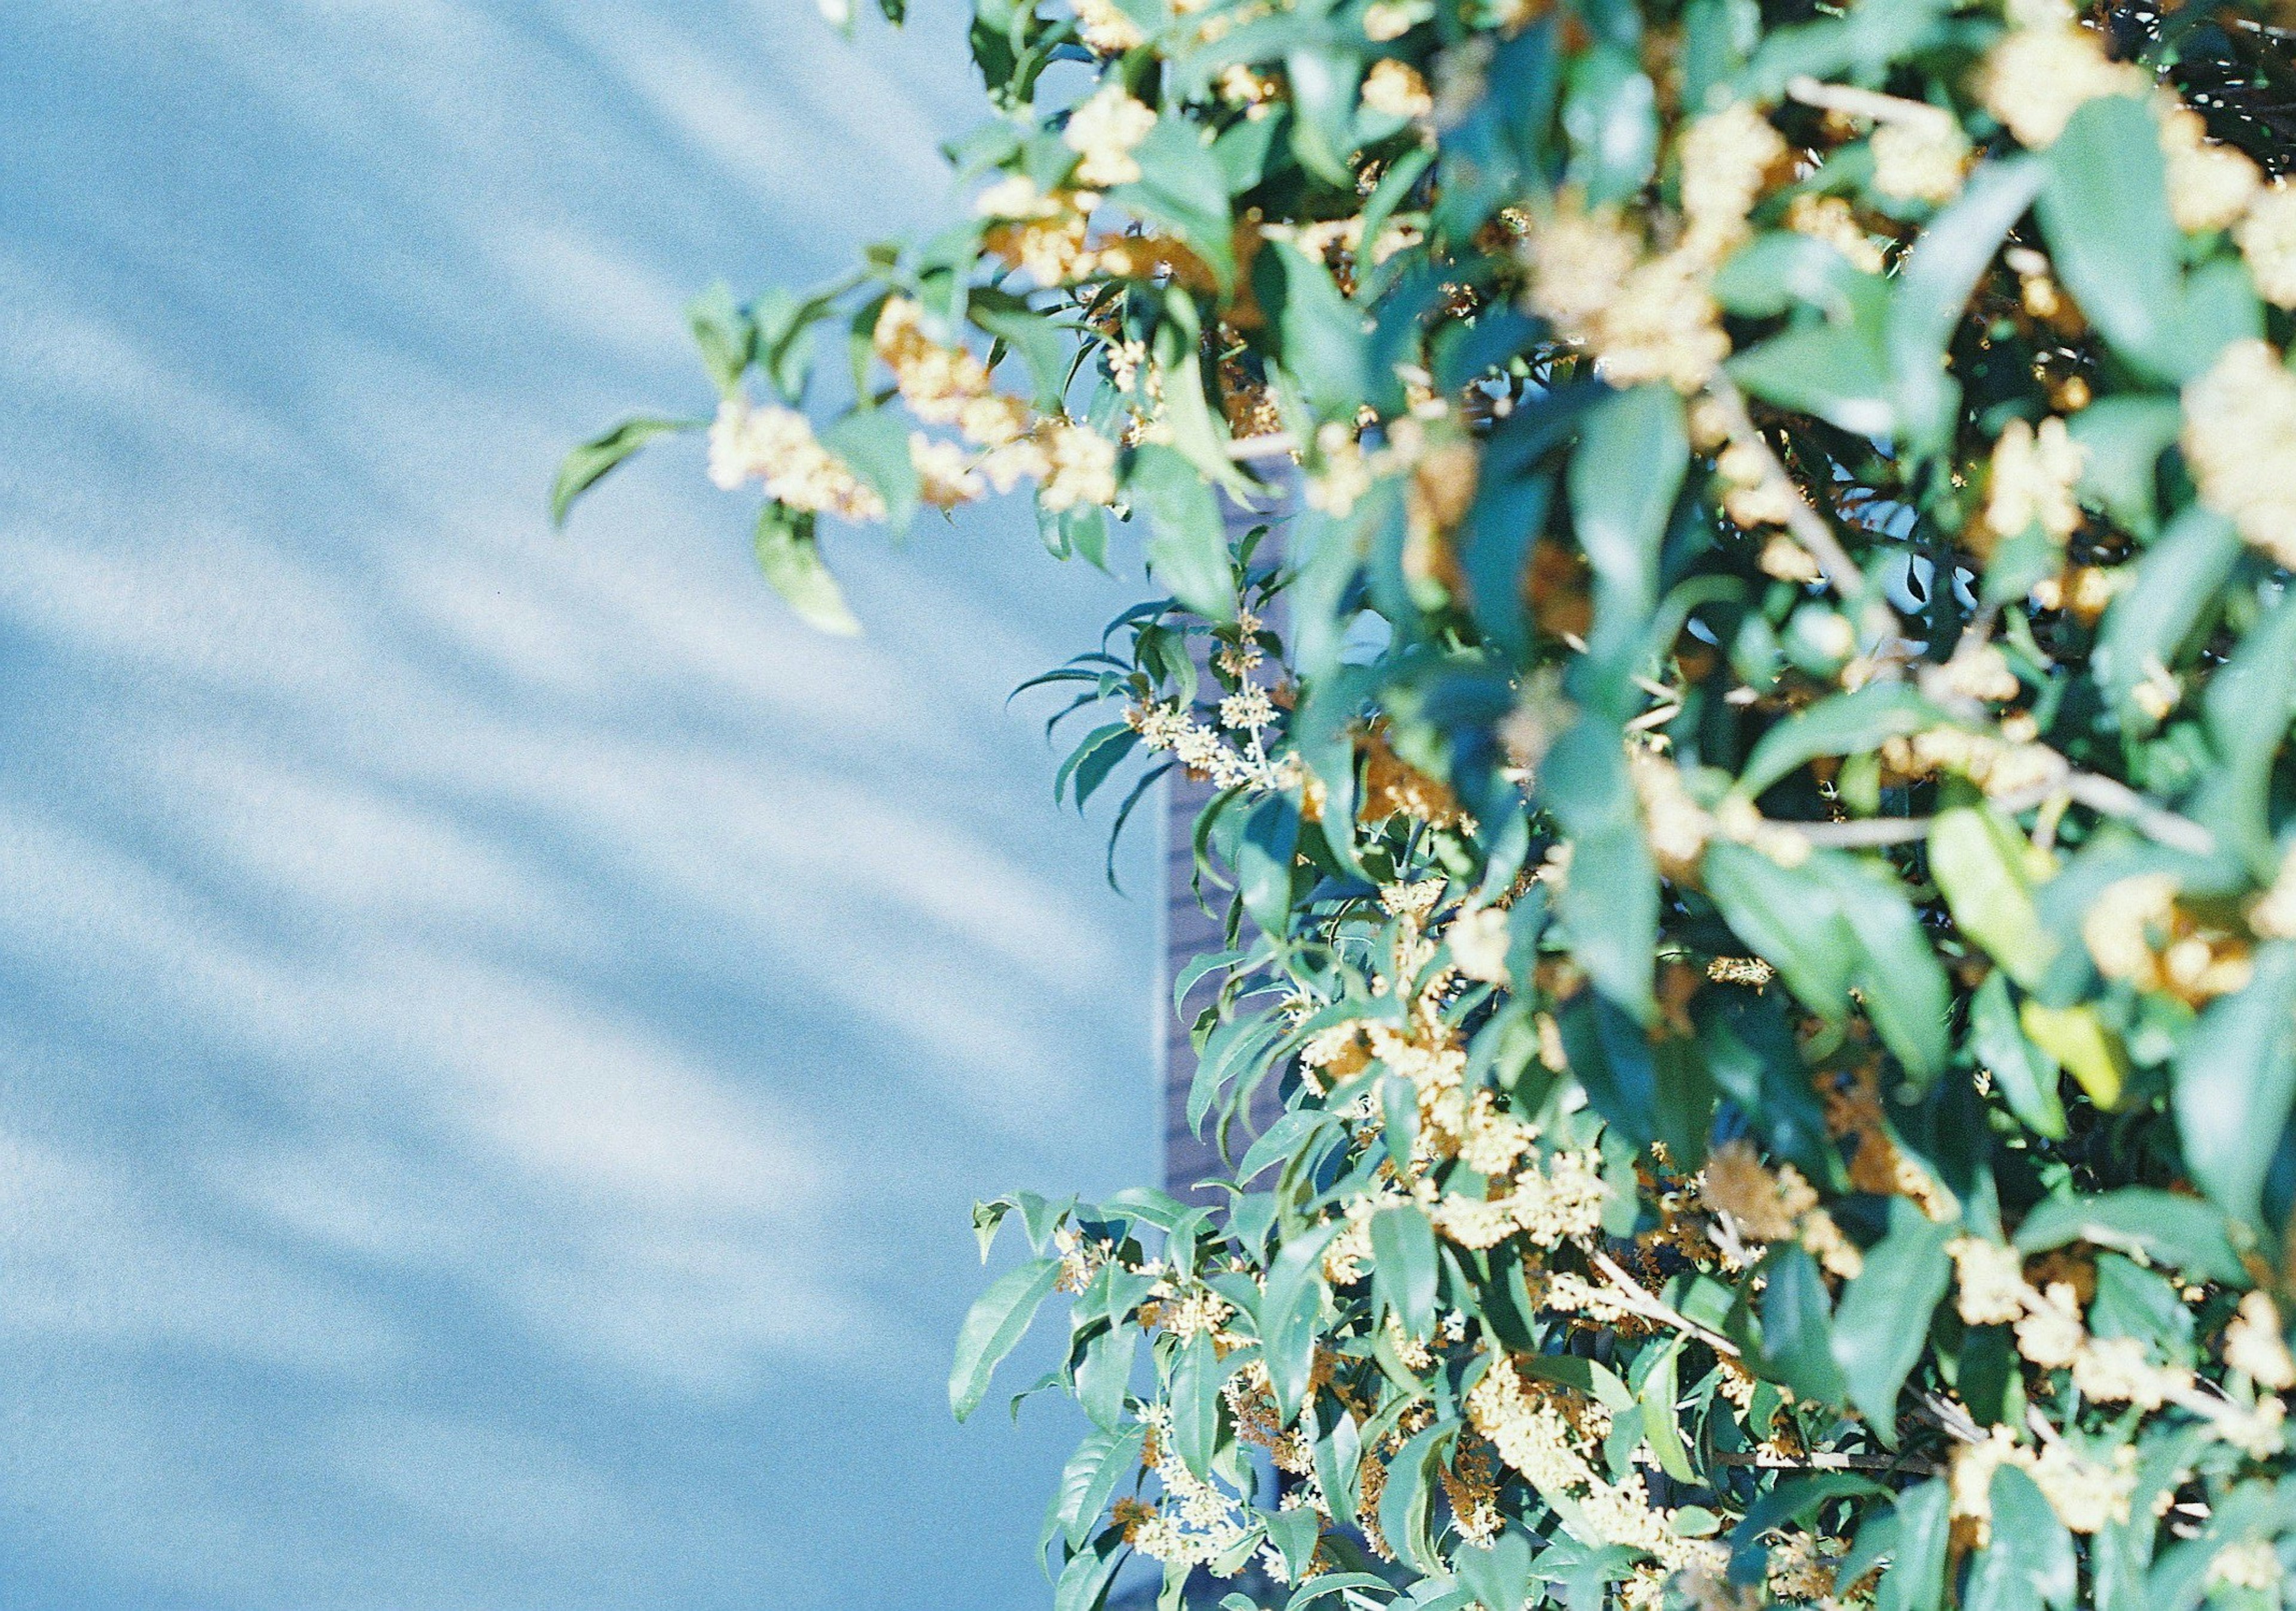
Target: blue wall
[{"x": 499, "y": 1031}]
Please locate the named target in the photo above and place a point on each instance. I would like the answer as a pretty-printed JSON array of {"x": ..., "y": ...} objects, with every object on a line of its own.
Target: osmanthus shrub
[{"x": 1759, "y": 858}]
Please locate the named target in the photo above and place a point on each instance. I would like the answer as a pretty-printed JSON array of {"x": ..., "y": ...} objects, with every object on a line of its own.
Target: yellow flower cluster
[
  {"x": 1106, "y": 28},
  {"x": 1103, "y": 129},
  {"x": 776, "y": 445},
  {"x": 1394, "y": 89},
  {"x": 945, "y": 385},
  {"x": 1197, "y": 1521},
  {"x": 1655, "y": 318},
  {"x": 2084, "y": 1494},
  {"x": 1921, "y": 158},
  {"x": 2240, "y": 440},
  {"x": 2034, "y": 474},
  {"x": 2135, "y": 930},
  {"x": 2045, "y": 69},
  {"x": 2267, "y": 241},
  {"x": 1766, "y": 1206},
  {"x": 1533, "y": 1435},
  {"x": 1561, "y": 1203}
]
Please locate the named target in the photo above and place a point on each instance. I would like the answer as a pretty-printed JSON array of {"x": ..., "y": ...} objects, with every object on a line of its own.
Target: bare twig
[
  {"x": 1947, "y": 1417},
  {"x": 1650, "y": 1306},
  {"x": 1867, "y": 103},
  {"x": 1807, "y": 527},
  {"x": 1827, "y": 1460},
  {"x": 1276, "y": 445}
]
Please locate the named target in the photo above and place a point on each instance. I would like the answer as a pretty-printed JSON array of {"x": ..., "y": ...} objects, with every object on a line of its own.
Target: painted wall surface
[{"x": 499, "y": 1031}]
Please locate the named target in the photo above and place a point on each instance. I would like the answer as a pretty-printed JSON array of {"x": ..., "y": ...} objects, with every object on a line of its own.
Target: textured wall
[{"x": 499, "y": 1032}]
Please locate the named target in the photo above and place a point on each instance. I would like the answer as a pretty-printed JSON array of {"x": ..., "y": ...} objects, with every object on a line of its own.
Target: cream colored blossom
[
  {"x": 1829, "y": 218},
  {"x": 2038, "y": 76},
  {"x": 776, "y": 445},
  {"x": 1989, "y": 1281},
  {"x": 1921, "y": 160},
  {"x": 2240, "y": 440},
  {"x": 1394, "y": 89},
  {"x": 1197, "y": 1521},
  {"x": 2210, "y": 184},
  {"x": 1765, "y": 1205},
  {"x": 2254, "y": 1565},
  {"x": 2267, "y": 241},
  {"x": 1387, "y": 21},
  {"x": 1341, "y": 475},
  {"x": 2273, "y": 916},
  {"x": 2034, "y": 474},
  {"x": 943, "y": 478},
  {"x": 1675, "y": 825},
  {"x": 2051, "y": 1334},
  {"x": 2117, "y": 1371},
  {"x": 1103, "y": 130},
  {"x": 2255, "y": 1347},
  {"x": 1824, "y": 1240},
  {"x": 2120, "y": 924},
  {"x": 1082, "y": 467},
  {"x": 1478, "y": 938},
  {"x": 1247, "y": 711},
  {"x": 1727, "y": 159},
  {"x": 1106, "y": 28},
  {"x": 2086, "y": 1494}
]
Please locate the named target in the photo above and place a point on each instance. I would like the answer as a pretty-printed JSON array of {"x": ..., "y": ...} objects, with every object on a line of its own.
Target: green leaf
[
  {"x": 1102, "y": 1460},
  {"x": 1188, "y": 552},
  {"x": 1632, "y": 454},
  {"x": 1841, "y": 724},
  {"x": 1293, "y": 1533},
  {"x": 2179, "y": 584},
  {"x": 1403, "y": 1266},
  {"x": 1661, "y": 1421},
  {"x": 791, "y": 558},
  {"x": 1288, "y": 1313},
  {"x": 1894, "y": 968},
  {"x": 874, "y": 445},
  {"x": 725, "y": 335},
  {"x": 1611, "y": 118},
  {"x": 1405, "y": 1503},
  {"x": 1980, "y": 863},
  {"x": 1837, "y": 372},
  {"x": 1263, "y": 862},
  {"x": 1083, "y": 1583},
  {"x": 2029, "y": 1562},
  {"x": 1796, "y": 1324},
  {"x": 1789, "y": 919},
  {"x": 1321, "y": 333},
  {"x": 1933, "y": 289},
  {"x": 1195, "y": 1397},
  {"x": 2078, "y": 1038},
  {"x": 996, "y": 1322},
  {"x": 1608, "y": 905},
  {"x": 2026, "y": 1079},
  {"x": 1500, "y": 1574},
  {"x": 2249, "y": 702},
  {"x": 1105, "y": 1373},
  {"x": 1045, "y": 346},
  {"x": 2181, "y": 1233},
  {"x": 2105, "y": 212},
  {"x": 1182, "y": 186},
  {"x": 1914, "y": 1579},
  {"x": 2235, "y": 1077},
  {"x": 1883, "y": 1321},
  {"x": 601, "y": 455},
  {"x": 2124, "y": 437}
]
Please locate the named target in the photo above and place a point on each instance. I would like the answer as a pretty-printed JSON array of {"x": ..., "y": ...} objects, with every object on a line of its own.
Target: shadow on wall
[{"x": 497, "y": 1033}]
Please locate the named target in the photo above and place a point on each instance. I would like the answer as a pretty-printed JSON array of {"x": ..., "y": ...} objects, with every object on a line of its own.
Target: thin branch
[
  {"x": 1947, "y": 1417},
  {"x": 1828, "y": 1460},
  {"x": 1867, "y": 103},
  {"x": 1276, "y": 445},
  {"x": 1807, "y": 527},
  {"x": 1650, "y": 1306}
]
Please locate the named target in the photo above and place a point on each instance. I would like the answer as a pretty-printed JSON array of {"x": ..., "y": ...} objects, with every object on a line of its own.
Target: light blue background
[{"x": 499, "y": 1032}]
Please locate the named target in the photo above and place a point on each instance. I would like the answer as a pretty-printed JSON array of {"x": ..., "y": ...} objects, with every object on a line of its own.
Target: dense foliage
[{"x": 1758, "y": 858}]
